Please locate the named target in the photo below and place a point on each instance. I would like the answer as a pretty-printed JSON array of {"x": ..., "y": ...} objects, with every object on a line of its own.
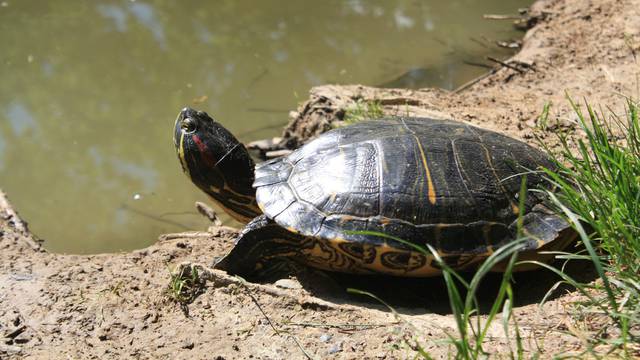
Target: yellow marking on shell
[
  {"x": 539, "y": 242},
  {"x": 366, "y": 268},
  {"x": 345, "y": 218},
  {"x": 185, "y": 168},
  {"x": 437, "y": 231},
  {"x": 317, "y": 253},
  {"x": 430, "y": 189},
  {"x": 486, "y": 229},
  {"x": 424, "y": 271},
  {"x": 514, "y": 207},
  {"x": 292, "y": 229}
]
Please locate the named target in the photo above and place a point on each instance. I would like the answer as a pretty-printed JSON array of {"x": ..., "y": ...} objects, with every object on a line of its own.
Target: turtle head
[{"x": 216, "y": 162}]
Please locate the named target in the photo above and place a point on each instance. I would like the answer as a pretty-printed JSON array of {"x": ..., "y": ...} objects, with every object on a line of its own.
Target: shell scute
[{"x": 436, "y": 182}]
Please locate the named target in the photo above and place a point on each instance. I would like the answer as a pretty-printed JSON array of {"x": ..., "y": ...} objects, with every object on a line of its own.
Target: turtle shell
[{"x": 437, "y": 182}]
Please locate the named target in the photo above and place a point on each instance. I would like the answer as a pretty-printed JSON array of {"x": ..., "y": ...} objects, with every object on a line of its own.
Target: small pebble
[
  {"x": 10, "y": 349},
  {"x": 325, "y": 337},
  {"x": 21, "y": 277},
  {"x": 337, "y": 347},
  {"x": 288, "y": 284}
]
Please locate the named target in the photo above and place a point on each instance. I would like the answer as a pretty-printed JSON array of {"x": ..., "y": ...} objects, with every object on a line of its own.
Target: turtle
[{"x": 358, "y": 199}]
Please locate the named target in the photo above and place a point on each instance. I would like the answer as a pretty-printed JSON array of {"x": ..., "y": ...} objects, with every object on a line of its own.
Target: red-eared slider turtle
[{"x": 438, "y": 182}]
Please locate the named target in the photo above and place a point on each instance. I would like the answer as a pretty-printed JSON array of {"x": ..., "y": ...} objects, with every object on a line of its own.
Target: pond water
[{"x": 89, "y": 92}]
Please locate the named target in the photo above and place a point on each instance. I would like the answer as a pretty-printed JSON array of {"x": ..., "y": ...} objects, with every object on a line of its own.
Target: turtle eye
[{"x": 188, "y": 125}]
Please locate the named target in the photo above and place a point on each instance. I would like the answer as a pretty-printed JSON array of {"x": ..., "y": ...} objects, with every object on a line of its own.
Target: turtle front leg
[{"x": 262, "y": 249}]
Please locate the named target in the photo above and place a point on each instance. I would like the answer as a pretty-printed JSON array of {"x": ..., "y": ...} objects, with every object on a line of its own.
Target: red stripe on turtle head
[{"x": 204, "y": 151}]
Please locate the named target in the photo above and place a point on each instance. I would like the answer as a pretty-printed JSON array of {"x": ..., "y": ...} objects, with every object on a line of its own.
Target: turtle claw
[{"x": 218, "y": 262}]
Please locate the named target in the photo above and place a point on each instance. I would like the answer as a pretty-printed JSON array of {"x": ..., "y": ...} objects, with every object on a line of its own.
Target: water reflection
[
  {"x": 90, "y": 89},
  {"x": 403, "y": 21},
  {"x": 145, "y": 175},
  {"x": 20, "y": 119},
  {"x": 144, "y": 13},
  {"x": 114, "y": 13}
]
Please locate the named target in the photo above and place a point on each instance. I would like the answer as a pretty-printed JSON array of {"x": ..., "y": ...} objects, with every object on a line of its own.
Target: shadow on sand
[{"x": 414, "y": 296}]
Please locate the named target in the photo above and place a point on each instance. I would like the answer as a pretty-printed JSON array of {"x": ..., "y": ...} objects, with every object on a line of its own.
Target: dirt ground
[{"x": 55, "y": 306}]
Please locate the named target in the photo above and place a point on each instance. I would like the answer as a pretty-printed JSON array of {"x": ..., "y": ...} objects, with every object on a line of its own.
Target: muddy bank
[{"x": 115, "y": 305}]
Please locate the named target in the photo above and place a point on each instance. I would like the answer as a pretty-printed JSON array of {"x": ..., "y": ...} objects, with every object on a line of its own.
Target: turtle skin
[{"x": 441, "y": 183}]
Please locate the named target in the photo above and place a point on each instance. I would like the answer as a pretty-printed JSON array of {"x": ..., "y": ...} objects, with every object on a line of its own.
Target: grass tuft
[
  {"x": 185, "y": 285},
  {"x": 601, "y": 183},
  {"x": 598, "y": 191},
  {"x": 362, "y": 110}
]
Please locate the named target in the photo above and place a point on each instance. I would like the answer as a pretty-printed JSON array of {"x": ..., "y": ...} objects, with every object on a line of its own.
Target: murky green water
[{"x": 89, "y": 91}]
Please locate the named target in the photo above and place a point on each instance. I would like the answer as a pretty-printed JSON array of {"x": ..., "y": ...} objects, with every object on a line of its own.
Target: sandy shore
[{"x": 115, "y": 305}]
